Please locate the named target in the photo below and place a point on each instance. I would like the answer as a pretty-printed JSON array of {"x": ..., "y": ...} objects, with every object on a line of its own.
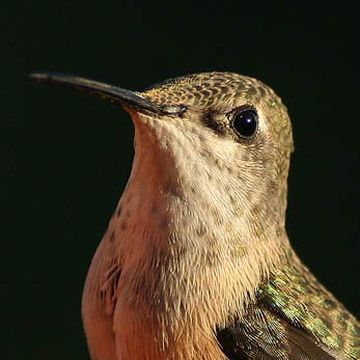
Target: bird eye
[{"x": 245, "y": 123}]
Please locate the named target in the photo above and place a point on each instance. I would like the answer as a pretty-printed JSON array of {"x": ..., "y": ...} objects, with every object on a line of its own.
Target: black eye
[{"x": 245, "y": 123}]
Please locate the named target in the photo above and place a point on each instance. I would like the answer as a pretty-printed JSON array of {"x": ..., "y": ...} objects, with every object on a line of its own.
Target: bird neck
[
  {"x": 186, "y": 258},
  {"x": 180, "y": 231}
]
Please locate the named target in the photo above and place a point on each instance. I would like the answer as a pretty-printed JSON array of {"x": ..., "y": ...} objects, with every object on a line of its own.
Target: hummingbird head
[
  {"x": 227, "y": 135},
  {"x": 208, "y": 184}
]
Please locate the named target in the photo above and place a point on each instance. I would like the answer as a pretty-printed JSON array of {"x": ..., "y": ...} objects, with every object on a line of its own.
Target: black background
[{"x": 65, "y": 157}]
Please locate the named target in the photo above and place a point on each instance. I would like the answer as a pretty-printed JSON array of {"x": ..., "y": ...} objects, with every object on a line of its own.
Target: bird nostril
[{"x": 174, "y": 109}]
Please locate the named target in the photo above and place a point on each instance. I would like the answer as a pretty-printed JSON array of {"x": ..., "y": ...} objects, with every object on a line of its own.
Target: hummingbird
[{"x": 196, "y": 263}]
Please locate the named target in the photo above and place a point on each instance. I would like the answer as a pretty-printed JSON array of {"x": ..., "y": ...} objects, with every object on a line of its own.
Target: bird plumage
[
  {"x": 272, "y": 308},
  {"x": 196, "y": 263},
  {"x": 294, "y": 317}
]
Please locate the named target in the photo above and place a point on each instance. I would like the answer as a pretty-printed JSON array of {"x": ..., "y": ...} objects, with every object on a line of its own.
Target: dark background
[{"x": 65, "y": 157}]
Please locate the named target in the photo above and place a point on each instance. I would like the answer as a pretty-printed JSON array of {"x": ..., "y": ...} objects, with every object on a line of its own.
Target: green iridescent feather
[{"x": 293, "y": 318}]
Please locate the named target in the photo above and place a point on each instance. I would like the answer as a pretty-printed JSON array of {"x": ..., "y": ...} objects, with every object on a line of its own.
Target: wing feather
[
  {"x": 293, "y": 318},
  {"x": 264, "y": 335}
]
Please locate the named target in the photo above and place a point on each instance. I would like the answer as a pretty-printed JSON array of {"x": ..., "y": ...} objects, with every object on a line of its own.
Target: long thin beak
[{"x": 112, "y": 93}]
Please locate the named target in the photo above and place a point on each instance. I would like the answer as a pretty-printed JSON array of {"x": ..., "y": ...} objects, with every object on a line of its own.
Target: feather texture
[{"x": 295, "y": 318}]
